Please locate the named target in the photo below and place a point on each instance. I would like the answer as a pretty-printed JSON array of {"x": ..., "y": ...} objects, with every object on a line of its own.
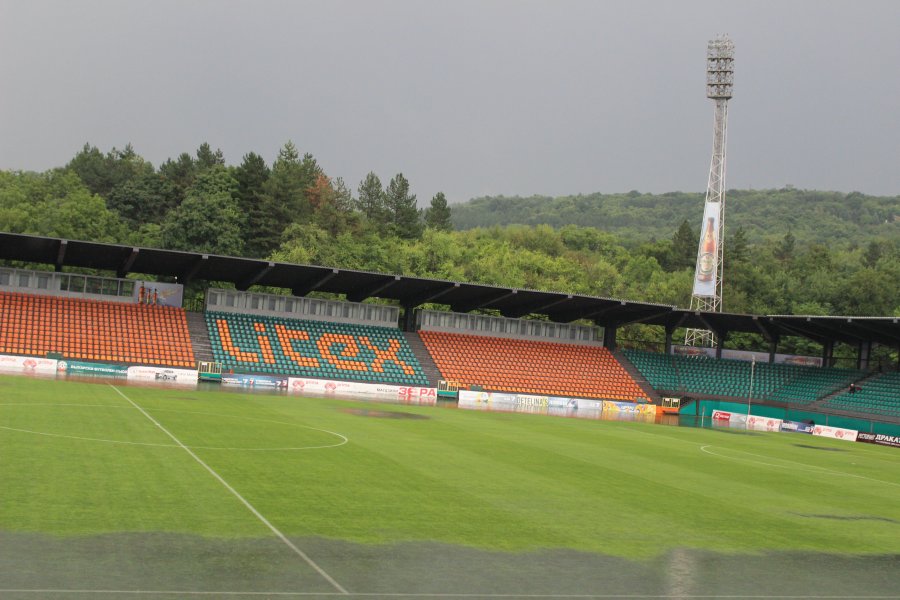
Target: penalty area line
[{"x": 237, "y": 495}]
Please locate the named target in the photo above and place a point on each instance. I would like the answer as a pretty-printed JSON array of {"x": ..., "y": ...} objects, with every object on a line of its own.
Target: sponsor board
[
  {"x": 722, "y": 418},
  {"x": 75, "y": 367},
  {"x": 555, "y": 405},
  {"x": 707, "y": 270},
  {"x": 255, "y": 381},
  {"x": 721, "y": 415},
  {"x": 838, "y": 433},
  {"x": 878, "y": 438},
  {"x": 482, "y": 401},
  {"x": 796, "y": 427},
  {"x": 543, "y": 402},
  {"x": 755, "y": 423},
  {"x": 161, "y": 294},
  {"x": 350, "y": 389},
  {"x": 28, "y": 365},
  {"x": 179, "y": 377},
  {"x": 470, "y": 397},
  {"x": 631, "y": 408},
  {"x": 582, "y": 404}
]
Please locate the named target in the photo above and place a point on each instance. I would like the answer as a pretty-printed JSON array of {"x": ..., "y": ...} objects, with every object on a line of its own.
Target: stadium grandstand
[
  {"x": 531, "y": 357},
  {"x": 99, "y": 330},
  {"x": 570, "y": 350},
  {"x": 702, "y": 375}
]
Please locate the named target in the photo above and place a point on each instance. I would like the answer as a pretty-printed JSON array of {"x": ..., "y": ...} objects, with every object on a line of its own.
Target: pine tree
[
  {"x": 180, "y": 174},
  {"x": 371, "y": 202},
  {"x": 283, "y": 200},
  {"x": 437, "y": 216},
  {"x": 251, "y": 176},
  {"x": 207, "y": 159},
  {"x": 785, "y": 249},
  {"x": 401, "y": 209},
  {"x": 684, "y": 247},
  {"x": 737, "y": 249}
]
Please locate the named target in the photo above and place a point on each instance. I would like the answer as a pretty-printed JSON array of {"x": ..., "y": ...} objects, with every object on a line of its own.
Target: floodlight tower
[{"x": 707, "y": 291}]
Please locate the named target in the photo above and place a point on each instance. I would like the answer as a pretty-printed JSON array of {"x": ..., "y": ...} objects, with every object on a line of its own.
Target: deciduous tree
[{"x": 209, "y": 219}]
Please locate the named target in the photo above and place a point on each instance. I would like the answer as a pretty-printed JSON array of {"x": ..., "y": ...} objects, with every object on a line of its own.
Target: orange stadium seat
[
  {"x": 94, "y": 330},
  {"x": 530, "y": 366}
]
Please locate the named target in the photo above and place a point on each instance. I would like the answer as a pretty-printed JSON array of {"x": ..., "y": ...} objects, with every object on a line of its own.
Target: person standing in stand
[
  {"x": 155, "y": 297},
  {"x": 141, "y": 293}
]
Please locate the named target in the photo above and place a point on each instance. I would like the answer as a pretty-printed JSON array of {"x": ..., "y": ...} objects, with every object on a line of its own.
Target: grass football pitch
[{"x": 122, "y": 491}]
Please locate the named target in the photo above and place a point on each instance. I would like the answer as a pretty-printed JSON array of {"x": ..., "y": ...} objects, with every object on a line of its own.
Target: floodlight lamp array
[{"x": 719, "y": 68}]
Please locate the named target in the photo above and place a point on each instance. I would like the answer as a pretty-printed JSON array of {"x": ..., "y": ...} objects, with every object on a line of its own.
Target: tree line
[
  {"x": 197, "y": 202},
  {"x": 765, "y": 215}
]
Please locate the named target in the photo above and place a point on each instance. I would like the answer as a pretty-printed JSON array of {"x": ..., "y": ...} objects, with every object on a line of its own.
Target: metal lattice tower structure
[{"x": 719, "y": 84}]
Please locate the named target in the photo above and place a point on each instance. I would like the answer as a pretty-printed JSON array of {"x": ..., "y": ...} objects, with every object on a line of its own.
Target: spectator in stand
[
  {"x": 155, "y": 297},
  {"x": 853, "y": 388},
  {"x": 141, "y": 293}
]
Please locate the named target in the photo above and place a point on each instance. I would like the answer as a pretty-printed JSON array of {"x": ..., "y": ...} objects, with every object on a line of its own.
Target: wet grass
[{"x": 76, "y": 459}]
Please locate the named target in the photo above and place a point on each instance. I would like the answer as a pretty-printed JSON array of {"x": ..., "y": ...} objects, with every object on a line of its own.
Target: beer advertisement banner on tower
[{"x": 708, "y": 254}]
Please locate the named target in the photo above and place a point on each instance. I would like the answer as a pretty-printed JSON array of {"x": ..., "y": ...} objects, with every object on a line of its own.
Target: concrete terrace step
[
  {"x": 421, "y": 352},
  {"x": 199, "y": 336}
]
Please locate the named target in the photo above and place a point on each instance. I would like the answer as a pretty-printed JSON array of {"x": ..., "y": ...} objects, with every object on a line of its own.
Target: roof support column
[
  {"x": 669, "y": 332},
  {"x": 721, "y": 336},
  {"x": 862, "y": 360},
  {"x": 827, "y": 353},
  {"x": 609, "y": 336},
  {"x": 773, "y": 349},
  {"x": 408, "y": 320}
]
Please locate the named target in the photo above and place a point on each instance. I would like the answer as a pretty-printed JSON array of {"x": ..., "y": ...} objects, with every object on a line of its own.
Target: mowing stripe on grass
[
  {"x": 792, "y": 464},
  {"x": 237, "y": 495},
  {"x": 451, "y": 595}
]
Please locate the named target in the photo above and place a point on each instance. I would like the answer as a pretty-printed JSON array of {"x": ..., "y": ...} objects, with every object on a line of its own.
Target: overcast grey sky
[{"x": 466, "y": 97}]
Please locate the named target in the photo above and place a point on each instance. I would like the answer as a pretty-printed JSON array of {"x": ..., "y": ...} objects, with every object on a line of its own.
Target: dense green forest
[
  {"x": 764, "y": 215},
  {"x": 787, "y": 251}
]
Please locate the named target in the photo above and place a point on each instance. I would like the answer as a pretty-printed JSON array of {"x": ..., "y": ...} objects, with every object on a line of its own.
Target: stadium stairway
[
  {"x": 199, "y": 336},
  {"x": 819, "y": 404},
  {"x": 421, "y": 353},
  {"x": 629, "y": 367}
]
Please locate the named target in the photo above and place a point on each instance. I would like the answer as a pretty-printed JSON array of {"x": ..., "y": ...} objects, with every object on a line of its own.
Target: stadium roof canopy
[{"x": 413, "y": 291}]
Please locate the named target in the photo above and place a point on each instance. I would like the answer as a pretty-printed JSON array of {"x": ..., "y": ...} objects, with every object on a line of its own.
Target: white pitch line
[
  {"x": 344, "y": 439},
  {"x": 237, "y": 495}
]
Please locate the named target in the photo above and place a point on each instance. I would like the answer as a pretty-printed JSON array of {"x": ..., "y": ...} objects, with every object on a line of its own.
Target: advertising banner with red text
[
  {"x": 838, "y": 433},
  {"x": 350, "y": 389},
  {"x": 755, "y": 423},
  {"x": 27, "y": 365},
  {"x": 722, "y": 418}
]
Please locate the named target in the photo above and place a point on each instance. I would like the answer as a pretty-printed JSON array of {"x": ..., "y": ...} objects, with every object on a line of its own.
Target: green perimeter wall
[{"x": 706, "y": 407}]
